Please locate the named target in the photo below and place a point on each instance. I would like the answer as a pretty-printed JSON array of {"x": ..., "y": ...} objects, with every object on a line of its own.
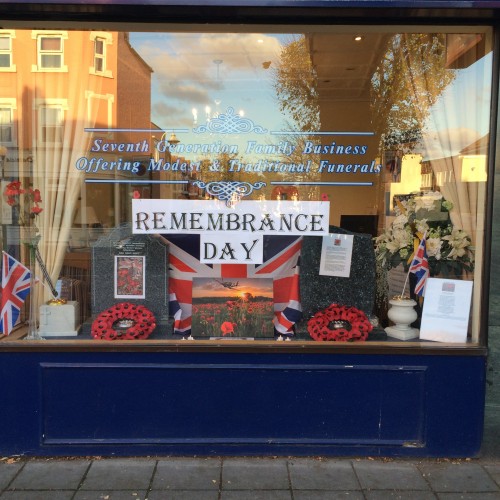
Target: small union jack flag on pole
[
  {"x": 420, "y": 267},
  {"x": 15, "y": 289}
]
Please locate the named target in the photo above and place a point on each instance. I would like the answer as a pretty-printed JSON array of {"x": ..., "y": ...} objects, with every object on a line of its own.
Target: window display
[{"x": 261, "y": 187}]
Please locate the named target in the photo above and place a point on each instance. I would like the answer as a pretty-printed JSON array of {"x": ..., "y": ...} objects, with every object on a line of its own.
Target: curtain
[
  {"x": 452, "y": 125},
  {"x": 59, "y": 141}
]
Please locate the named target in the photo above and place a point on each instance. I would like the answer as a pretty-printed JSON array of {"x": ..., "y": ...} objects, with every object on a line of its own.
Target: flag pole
[
  {"x": 404, "y": 286},
  {"x": 412, "y": 263}
]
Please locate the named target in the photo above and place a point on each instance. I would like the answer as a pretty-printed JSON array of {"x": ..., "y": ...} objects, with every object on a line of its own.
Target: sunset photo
[{"x": 233, "y": 308}]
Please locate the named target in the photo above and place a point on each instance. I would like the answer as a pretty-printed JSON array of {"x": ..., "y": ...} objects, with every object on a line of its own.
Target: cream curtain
[
  {"x": 54, "y": 164},
  {"x": 454, "y": 124}
]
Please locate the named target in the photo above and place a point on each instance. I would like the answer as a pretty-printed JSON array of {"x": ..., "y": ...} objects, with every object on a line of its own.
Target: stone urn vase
[{"x": 402, "y": 313}]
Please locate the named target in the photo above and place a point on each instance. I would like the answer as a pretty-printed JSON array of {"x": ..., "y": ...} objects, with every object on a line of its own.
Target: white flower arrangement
[{"x": 449, "y": 249}]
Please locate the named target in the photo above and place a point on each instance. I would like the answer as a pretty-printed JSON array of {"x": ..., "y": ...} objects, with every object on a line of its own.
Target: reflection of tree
[
  {"x": 406, "y": 84},
  {"x": 217, "y": 168},
  {"x": 296, "y": 85}
]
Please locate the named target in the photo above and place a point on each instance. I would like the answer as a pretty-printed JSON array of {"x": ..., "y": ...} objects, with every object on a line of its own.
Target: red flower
[
  {"x": 13, "y": 188},
  {"x": 227, "y": 328},
  {"x": 37, "y": 197},
  {"x": 36, "y": 209}
]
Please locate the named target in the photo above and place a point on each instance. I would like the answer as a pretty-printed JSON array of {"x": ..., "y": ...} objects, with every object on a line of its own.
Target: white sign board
[
  {"x": 445, "y": 317},
  {"x": 336, "y": 255},
  {"x": 241, "y": 248},
  {"x": 304, "y": 218}
]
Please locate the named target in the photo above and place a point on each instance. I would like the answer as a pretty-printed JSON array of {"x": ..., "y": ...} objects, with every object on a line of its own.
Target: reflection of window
[
  {"x": 99, "y": 55},
  {"x": 6, "y": 124},
  {"x": 100, "y": 61},
  {"x": 50, "y": 51},
  {"x": 51, "y": 124},
  {"x": 5, "y": 51}
]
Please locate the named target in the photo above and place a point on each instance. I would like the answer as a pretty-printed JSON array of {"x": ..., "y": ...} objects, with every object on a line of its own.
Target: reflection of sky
[
  {"x": 203, "y": 287},
  {"x": 221, "y": 70},
  {"x": 218, "y": 70}
]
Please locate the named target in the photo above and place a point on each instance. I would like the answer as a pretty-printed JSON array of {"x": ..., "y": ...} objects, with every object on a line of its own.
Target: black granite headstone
[
  {"x": 318, "y": 292},
  {"x": 150, "y": 291}
]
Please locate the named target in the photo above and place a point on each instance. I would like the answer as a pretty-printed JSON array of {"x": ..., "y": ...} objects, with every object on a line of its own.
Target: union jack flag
[
  {"x": 15, "y": 289},
  {"x": 420, "y": 267},
  {"x": 281, "y": 257}
]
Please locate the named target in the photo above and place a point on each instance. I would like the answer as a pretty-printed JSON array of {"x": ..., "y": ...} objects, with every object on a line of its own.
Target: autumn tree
[
  {"x": 296, "y": 87},
  {"x": 406, "y": 84},
  {"x": 295, "y": 84}
]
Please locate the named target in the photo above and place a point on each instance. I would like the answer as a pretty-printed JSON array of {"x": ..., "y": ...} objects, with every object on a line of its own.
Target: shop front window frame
[{"x": 190, "y": 182}]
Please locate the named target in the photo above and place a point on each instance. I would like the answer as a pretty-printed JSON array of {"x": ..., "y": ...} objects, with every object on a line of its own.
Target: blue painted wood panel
[
  {"x": 220, "y": 403},
  {"x": 215, "y": 402}
]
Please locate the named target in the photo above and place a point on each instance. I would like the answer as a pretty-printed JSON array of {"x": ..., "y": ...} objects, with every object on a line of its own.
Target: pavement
[{"x": 257, "y": 478}]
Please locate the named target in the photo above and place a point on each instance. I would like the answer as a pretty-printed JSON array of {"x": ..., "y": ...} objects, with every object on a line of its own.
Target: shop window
[{"x": 326, "y": 186}]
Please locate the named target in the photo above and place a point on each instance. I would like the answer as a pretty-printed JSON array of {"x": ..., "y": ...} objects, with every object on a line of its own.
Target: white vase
[{"x": 402, "y": 314}]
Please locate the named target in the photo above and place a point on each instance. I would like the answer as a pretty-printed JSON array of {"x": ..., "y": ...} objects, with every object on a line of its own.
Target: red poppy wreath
[
  {"x": 339, "y": 323},
  {"x": 124, "y": 321}
]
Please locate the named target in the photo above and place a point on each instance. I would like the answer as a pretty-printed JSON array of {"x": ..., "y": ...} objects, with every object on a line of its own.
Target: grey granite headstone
[
  {"x": 318, "y": 292},
  {"x": 105, "y": 292}
]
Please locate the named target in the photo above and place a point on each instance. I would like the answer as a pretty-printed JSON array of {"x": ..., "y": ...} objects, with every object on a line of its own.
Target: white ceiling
[{"x": 344, "y": 66}]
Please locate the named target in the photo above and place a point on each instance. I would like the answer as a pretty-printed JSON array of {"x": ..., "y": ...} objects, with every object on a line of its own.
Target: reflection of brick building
[{"x": 56, "y": 83}]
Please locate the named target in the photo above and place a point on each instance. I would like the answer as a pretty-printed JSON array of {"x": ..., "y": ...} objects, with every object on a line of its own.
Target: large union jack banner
[
  {"x": 15, "y": 289},
  {"x": 280, "y": 262}
]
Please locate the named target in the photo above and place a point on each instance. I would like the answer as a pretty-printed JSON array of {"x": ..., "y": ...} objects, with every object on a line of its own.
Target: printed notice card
[
  {"x": 445, "y": 317},
  {"x": 336, "y": 255}
]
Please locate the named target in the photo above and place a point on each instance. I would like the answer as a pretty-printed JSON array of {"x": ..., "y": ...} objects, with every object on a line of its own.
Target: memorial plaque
[
  {"x": 131, "y": 268},
  {"x": 318, "y": 292}
]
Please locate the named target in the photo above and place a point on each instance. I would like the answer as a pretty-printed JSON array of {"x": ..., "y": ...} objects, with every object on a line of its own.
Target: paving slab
[
  {"x": 187, "y": 474},
  {"x": 327, "y": 495},
  {"x": 254, "y": 474},
  {"x": 37, "y": 495},
  {"x": 183, "y": 495},
  {"x": 375, "y": 475},
  {"x": 51, "y": 475},
  {"x": 111, "y": 495},
  {"x": 256, "y": 495},
  {"x": 493, "y": 471},
  {"x": 309, "y": 474},
  {"x": 460, "y": 477},
  {"x": 468, "y": 496},
  {"x": 119, "y": 474},
  {"x": 8, "y": 472},
  {"x": 400, "y": 495}
]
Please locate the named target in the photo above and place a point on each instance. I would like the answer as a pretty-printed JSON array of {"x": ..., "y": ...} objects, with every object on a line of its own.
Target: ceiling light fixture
[{"x": 358, "y": 38}]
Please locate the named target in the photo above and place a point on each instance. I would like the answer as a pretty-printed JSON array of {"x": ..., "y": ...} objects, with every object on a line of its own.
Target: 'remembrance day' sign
[{"x": 231, "y": 234}]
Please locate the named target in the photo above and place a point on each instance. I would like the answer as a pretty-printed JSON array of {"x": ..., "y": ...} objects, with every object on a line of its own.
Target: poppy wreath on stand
[
  {"x": 124, "y": 321},
  {"x": 339, "y": 323}
]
